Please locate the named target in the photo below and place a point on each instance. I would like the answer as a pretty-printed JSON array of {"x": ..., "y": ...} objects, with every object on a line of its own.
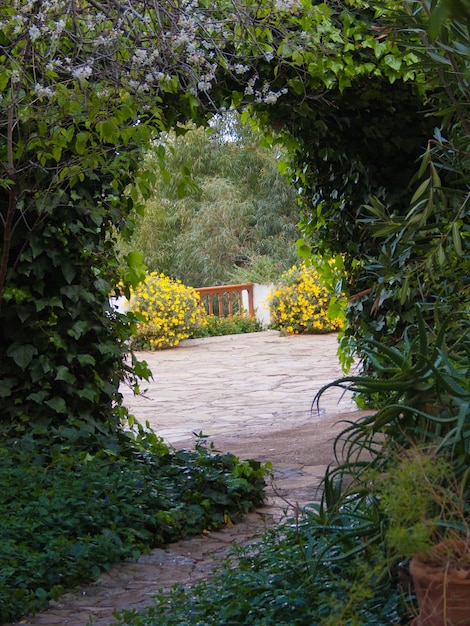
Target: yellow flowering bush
[
  {"x": 300, "y": 304},
  {"x": 170, "y": 312}
]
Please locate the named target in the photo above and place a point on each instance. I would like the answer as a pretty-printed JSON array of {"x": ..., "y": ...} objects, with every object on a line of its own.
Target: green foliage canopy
[{"x": 385, "y": 170}]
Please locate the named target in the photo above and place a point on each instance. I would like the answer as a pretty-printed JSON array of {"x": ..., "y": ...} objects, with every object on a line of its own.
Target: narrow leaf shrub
[
  {"x": 168, "y": 311},
  {"x": 300, "y": 303}
]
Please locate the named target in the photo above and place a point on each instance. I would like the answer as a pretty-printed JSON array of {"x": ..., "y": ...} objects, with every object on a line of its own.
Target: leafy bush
[
  {"x": 67, "y": 515},
  {"x": 421, "y": 391},
  {"x": 168, "y": 312},
  {"x": 300, "y": 303},
  {"x": 214, "y": 326}
]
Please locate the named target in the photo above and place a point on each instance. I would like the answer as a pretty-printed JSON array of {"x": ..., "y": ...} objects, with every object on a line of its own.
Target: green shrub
[
  {"x": 214, "y": 326},
  {"x": 300, "y": 304},
  {"x": 66, "y": 515},
  {"x": 167, "y": 311}
]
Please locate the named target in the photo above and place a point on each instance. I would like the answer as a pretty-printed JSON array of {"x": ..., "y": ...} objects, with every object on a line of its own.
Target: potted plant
[{"x": 427, "y": 515}]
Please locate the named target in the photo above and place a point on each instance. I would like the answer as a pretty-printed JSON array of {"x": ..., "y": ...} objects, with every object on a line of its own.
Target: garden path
[{"x": 252, "y": 394}]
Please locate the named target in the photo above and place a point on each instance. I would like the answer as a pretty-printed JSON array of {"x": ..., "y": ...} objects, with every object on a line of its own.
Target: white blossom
[
  {"x": 238, "y": 68},
  {"x": 34, "y": 32},
  {"x": 43, "y": 92},
  {"x": 270, "y": 98},
  {"x": 58, "y": 28},
  {"x": 140, "y": 57},
  {"x": 286, "y": 5},
  {"x": 82, "y": 73}
]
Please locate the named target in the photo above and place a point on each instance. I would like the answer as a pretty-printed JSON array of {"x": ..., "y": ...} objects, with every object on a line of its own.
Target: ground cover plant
[
  {"x": 302, "y": 573},
  {"x": 67, "y": 515}
]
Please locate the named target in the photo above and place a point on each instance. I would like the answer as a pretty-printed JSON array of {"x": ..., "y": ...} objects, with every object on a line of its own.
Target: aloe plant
[{"x": 423, "y": 389}]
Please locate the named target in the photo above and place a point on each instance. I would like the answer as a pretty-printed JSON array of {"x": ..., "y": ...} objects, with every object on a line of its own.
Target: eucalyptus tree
[{"x": 221, "y": 204}]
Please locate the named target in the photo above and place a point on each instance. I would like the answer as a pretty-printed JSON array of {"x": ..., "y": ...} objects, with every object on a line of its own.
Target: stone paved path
[{"x": 252, "y": 394}]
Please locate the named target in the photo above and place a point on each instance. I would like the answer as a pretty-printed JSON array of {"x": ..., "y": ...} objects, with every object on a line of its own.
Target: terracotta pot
[{"x": 442, "y": 590}]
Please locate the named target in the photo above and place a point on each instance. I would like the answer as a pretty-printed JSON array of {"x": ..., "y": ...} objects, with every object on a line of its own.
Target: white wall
[{"x": 261, "y": 297}]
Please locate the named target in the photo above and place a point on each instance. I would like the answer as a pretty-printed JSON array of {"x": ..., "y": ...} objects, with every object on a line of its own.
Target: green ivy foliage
[
  {"x": 76, "y": 119},
  {"x": 72, "y": 514},
  {"x": 69, "y": 156}
]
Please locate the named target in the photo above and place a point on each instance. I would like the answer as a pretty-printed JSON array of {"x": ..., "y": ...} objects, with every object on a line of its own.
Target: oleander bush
[
  {"x": 67, "y": 515},
  {"x": 167, "y": 312},
  {"x": 300, "y": 303}
]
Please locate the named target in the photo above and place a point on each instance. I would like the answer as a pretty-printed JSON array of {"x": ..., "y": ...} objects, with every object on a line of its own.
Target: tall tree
[{"x": 224, "y": 205}]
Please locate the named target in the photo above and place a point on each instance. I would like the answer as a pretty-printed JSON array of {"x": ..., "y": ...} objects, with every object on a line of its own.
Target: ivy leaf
[
  {"x": 78, "y": 329},
  {"x": 57, "y": 404},
  {"x": 64, "y": 374},
  {"x": 5, "y": 387},
  {"x": 38, "y": 397},
  {"x": 69, "y": 272},
  {"x": 393, "y": 62},
  {"x": 22, "y": 354},
  {"x": 85, "y": 359}
]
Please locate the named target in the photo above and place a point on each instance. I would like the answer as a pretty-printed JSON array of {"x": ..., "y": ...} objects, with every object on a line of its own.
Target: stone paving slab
[
  {"x": 238, "y": 382},
  {"x": 252, "y": 394}
]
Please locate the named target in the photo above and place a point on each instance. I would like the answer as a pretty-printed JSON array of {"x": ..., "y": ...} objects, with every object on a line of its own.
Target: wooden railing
[{"x": 226, "y": 300}]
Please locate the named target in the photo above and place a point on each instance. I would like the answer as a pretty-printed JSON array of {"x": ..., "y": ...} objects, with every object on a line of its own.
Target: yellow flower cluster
[
  {"x": 170, "y": 312},
  {"x": 300, "y": 304}
]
